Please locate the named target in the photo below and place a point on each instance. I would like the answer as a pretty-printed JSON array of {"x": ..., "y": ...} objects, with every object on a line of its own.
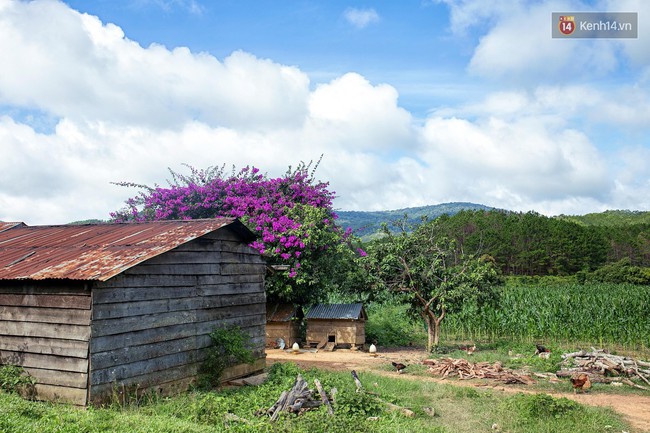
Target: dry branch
[{"x": 323, "y": 397}]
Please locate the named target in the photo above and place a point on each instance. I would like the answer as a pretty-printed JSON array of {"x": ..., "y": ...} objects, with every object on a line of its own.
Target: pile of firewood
[
  {"x": 300, "y": 399},
  {"x": 464, "y": 369},
  {"x": 605, "y": 367}
]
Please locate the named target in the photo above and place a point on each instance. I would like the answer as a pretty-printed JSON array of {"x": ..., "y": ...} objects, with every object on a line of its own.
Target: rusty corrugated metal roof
[
  {"x": 97, "y": 251},
  {"x": 7, "y": 225},
  {"x": 282, "y": 312},
  {"x": 337, "y": 311}
]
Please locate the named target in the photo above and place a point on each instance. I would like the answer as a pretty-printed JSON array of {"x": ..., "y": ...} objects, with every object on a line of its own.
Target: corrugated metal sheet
[
  {"x": 97, "y": 251},
  {"x": 7, "y": 225},
  {"x": 336, "y": 311},
  {"x": 282, "y": 312}
]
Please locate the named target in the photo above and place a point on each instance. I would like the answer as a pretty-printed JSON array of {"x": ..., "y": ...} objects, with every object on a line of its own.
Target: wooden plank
[
  {"x": 242, "y": 268},
  {"x": 141, "y": 293},
  {"x": 157, "y": 381},
  {"x": 49, "y": 362},
  {"x": 64, "y": 288},
  {"x": 144, "y": 288},
  {"x": 206, "y": 280},
  {"x": 144, "y": 336},
  {"x": 197, "y": 256},
  {"x": 140, "y": 308},
  {"x": 61, "y": 394},
  {"x": 130, "y": 281},
  {"x": 50, "y": 330},
  {"x": 199, "y": 269},
  {"x": 129, "y": 324},
  {"x": 230, "y": 288},
  {"x": 132, "y": 353},
  {"x": 242, "y": 370},
  {"x": 154, "y": 335},
  {"x": 53, "y": 301},
  {"x": 127, "y": 355},
  {"x": 121, "y": 372},
  {"x": 59, "y": 378},
  {"x": 168, "y": 382},
  {"x": 45, "y": 346},
  {"x": 46, "y": 315}
]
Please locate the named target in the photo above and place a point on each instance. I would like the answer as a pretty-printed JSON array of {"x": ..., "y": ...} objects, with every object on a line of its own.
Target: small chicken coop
[
  {"x": 336, "y": 325},
  {"x": 283, "y": 322}
]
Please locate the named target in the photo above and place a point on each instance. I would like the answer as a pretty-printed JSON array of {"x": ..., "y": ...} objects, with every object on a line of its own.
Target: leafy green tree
[{"x": 423, "y": 269}]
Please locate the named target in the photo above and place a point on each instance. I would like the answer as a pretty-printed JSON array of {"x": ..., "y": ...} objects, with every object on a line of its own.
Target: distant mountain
[{"x": 364, "y": 224}]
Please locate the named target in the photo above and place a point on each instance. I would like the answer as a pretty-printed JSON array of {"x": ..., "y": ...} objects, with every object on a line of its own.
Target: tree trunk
[
  {"x": 432, "y": 333},
  {"x": 433, "y": 330}
]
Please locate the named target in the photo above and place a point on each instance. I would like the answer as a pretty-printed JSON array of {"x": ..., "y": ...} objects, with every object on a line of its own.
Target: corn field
[{"x": 617, "y": 314}]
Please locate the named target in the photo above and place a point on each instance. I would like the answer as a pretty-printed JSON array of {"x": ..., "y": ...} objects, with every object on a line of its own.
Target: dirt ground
[{"x": 635, "y": 408}]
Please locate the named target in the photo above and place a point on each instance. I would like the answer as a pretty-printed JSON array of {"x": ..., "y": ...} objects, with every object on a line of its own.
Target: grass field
[{"x": 457, "y": 410}]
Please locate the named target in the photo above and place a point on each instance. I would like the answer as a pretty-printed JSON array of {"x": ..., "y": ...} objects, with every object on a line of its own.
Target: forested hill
[
  {"x": 367, "y": 223},
  {"x": 609, "y": 218}
]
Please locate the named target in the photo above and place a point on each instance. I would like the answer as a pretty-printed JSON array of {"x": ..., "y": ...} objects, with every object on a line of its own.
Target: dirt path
[{"x": 635, "y": 408}]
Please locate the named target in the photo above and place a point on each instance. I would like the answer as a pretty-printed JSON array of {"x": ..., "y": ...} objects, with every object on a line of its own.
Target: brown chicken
[
  {"x": 580, "y": 381},
  {"x": 399, "y": 366}
]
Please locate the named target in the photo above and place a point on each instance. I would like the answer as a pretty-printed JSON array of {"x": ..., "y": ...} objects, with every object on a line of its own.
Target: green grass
[{"x": 457, "y": 410}]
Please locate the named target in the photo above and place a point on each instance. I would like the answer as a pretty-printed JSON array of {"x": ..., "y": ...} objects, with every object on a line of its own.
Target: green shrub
[
  {"x": 230, "y": 346},
  {"x": 15, "y": 379}
]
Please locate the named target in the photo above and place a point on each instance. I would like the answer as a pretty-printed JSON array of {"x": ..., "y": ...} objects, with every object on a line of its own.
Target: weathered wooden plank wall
[
  {"x": 345, "y": 331},
  {"x": 45, "y": 328},
  {"x": 150, "y": 324},
  {"x": 289, "y": 331}
]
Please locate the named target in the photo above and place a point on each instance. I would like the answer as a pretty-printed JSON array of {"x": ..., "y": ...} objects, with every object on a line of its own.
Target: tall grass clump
[{"x": 599, "y": 313}]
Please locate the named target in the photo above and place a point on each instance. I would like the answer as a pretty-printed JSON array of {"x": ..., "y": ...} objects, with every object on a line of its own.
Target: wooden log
[
  {"x": 323, "y": 397},
  {"x": 629, "y": 382},
  {"x": 275, "y": 410},
  {"x": 291, "y": 400},
  {"x": 394, "y": 407}
]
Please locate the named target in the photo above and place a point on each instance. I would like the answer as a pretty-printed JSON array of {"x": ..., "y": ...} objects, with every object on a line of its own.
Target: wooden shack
[
  {"x": 89, "y": 309},
  {"x": 340, "y": 325},
  {"x": 283, "y": 322}
]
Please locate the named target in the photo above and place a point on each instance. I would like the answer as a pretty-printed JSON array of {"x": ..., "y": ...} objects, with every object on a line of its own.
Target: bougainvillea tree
[{"x": 292, "y": 216}]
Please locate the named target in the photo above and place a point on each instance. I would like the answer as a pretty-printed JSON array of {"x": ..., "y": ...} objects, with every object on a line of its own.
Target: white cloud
[
  {"x": 91, "y": 71},
  {"x": 123, "y": 112},
  {"x": 361, "y": 18},
  {"x": 516, "y": 43}
]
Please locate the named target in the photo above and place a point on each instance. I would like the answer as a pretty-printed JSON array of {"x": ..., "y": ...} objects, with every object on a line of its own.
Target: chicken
[
  {"x": 580, "y": 381},
  {"x": 541, "y": 349},
  {"x": 467, "y": 348},
  {"x": 399, "y": 366}
]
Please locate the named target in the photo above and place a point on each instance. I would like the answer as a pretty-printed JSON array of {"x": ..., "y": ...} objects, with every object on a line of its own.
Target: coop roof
[
  {"x": 337, "y": 311},
  {"x": 96, "y": 251},
  {"x": 278, "y": 312}
]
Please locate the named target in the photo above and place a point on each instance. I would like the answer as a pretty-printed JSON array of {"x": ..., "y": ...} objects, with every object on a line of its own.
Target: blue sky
[{"x": 410, "y": 103}]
